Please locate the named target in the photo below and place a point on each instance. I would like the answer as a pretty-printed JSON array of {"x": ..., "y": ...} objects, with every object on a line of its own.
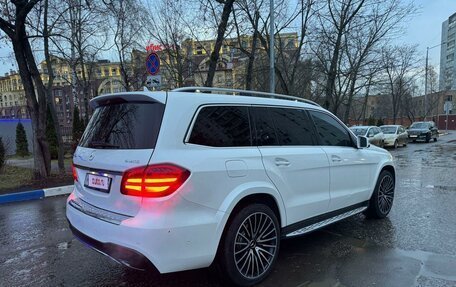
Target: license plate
[
  {"x": 413, "y": 136},
  {"x": 98, "y": 182}
]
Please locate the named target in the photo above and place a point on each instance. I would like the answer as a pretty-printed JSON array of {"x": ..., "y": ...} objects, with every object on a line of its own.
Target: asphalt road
[{"x": 414, "y": 246}]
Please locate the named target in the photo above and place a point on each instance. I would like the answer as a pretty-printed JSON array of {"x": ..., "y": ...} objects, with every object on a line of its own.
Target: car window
[
  {"x": 292, "y": 126},
  {"x": 330, "y": 131},
  {"x": 370, "y": 133},
  {"x": 376, "y": 131},
  {"x": 123, "y": 126},
  {"x": 359, "y": 131},
  {"x": 222, "y": 126},
  {"x": 264, "y": 125},
  {"x": 282, "y": 126},
  {"x": 388, "y": 130}
]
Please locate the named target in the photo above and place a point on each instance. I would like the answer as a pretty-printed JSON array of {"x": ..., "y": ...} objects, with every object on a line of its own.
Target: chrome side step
[{"x": 325, "y": 222}]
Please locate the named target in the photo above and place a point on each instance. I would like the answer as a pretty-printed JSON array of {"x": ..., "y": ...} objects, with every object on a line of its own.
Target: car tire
[
  {"x": 428, "y": 139},
  {"x": 435, "y": 139},
  {"x": 248, "y": 251},
  {"x": 396, "y": 144},
  {"x": 381, "y": 201}
]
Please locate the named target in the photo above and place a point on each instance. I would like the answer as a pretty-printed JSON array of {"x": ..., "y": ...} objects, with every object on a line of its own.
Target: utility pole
[
  {"x": 426, "y": 83},
  {"x": 271, "y": 48}
]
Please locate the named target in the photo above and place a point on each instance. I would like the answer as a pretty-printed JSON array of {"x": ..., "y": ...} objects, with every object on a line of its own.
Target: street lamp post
[
  {"x": 426, "y": 70},
  {"x": 271, "y": 48}
]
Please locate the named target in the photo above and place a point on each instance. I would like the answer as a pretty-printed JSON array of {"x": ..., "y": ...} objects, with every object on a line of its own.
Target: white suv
[{"x": 181, "y": 179}]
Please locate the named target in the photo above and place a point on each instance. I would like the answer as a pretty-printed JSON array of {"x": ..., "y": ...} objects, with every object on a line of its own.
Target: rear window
[
  {"x": 124, "y": 126},
  {"x": 222, "y": 126}
]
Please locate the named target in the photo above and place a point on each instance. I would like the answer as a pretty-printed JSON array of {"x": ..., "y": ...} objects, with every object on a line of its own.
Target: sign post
[
  {"x": 153, "y": 69},
  {"x": 447, "y": 107}
]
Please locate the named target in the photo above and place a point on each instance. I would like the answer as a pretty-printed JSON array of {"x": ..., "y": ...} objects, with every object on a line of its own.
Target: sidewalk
[{"x": 35, "y": 194}]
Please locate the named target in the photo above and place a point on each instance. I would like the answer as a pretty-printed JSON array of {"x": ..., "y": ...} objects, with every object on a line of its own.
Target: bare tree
[
  {"x": 399, "y": 63},
  {"x": 13, "y": 24},
  {"x": 173, "y": 21},
  {"x": 221, "y": 29},
  {"x": 47, "y": 31},
  {"x": 79, "y": 36},
  {"x": 334, "y": 24},
  {"x": 126, "y": 18}
]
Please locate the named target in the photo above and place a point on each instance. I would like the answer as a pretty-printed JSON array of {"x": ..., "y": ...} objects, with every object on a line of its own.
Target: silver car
[
  {"x": 395, "y": 135},
  {"x": 373, "y": 133}
]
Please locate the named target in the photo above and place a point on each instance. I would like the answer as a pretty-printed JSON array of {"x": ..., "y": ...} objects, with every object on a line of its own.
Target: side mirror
[{"x": 362, "y": 142}]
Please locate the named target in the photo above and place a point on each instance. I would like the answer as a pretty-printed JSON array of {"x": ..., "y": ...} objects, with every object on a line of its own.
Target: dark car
[{"x": 424, "y": 131}]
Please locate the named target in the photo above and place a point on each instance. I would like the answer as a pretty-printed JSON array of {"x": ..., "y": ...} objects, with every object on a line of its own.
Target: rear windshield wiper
[{"x": 100, "y": 144}]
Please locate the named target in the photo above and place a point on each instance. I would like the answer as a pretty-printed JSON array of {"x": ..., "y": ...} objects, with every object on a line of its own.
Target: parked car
[
  {"x": 423, "y": 131},
  {"x": 395, "y": 135},
  {"x": 373, "y": 133},
  {"x": 180, "y": 179}
]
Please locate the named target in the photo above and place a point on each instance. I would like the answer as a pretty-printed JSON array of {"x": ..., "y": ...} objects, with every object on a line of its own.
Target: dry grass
[{"x": 13, "y": 176}]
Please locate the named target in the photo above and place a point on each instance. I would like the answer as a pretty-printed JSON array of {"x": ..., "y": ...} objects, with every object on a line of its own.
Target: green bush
[
  {"x": 2, "y": 154},
  {"x": 21, "y": 141},
  {"x": 371, "y": 121}
]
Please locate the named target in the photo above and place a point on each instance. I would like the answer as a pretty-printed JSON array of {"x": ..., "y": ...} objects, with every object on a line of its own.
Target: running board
[{"x": 325, "y": 222}]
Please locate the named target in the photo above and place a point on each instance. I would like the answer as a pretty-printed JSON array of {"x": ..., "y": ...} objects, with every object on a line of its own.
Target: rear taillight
[
  {"x": 153, "y": 180},
  {"x": 75, "y": 173}
]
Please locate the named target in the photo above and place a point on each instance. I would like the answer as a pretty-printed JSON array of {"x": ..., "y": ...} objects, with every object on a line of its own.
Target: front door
[{"x": 350, "y": 168}]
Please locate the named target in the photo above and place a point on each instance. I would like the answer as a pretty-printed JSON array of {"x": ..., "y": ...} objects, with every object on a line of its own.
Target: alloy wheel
[
  {"x": 255, "y": 245},
  {"x": 386, "y": 194}
]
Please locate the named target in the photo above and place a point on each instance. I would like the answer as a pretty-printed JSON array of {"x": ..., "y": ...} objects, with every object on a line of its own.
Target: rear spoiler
[{"x": 154, "y": 97}]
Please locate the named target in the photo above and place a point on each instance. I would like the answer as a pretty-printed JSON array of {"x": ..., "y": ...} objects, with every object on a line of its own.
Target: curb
[{"x": 36, "y": 194}]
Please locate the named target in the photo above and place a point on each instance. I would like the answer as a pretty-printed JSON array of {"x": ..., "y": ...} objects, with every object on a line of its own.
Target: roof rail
[{"x": 243, "y": 93}]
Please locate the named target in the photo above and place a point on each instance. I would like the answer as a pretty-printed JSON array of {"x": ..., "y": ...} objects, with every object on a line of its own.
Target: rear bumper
[
  {"x": 420, "y": 137},
  {"x": 169, "y": 236},
  {"x": 118, "y": 253}
]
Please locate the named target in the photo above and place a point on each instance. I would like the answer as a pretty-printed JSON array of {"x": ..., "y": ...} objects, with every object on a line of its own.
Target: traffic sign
[
  {"x": 447, "y": 107},
  {"x": 153, "y": 81},
  {"x": 153, "y": 64}
]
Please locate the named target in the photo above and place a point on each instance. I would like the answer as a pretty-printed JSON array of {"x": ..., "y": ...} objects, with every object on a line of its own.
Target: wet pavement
[{"x": 414, "y": 246}]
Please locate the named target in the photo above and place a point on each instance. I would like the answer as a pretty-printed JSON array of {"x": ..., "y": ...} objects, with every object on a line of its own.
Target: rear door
[
  {"x": 120, "y": 135},
  {"x": 297, "y": 167}
]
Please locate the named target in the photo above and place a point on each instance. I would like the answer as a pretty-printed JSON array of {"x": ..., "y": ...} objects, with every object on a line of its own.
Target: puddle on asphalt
[
  {"x": 64, "y": 245},
  {"x": 441, "y": 187}
]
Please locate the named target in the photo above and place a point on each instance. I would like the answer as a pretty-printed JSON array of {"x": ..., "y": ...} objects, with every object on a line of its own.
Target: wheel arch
[{"x": 266, "y": 198}]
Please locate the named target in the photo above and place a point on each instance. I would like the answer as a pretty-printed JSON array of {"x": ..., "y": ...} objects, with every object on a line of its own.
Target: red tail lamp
[
  {"x": 75, "y": 173},
  {"x": 155, "y": 180}
]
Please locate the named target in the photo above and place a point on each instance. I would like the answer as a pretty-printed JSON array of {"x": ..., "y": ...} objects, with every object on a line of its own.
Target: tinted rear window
[
  {"x": 124, "y": 126},
  {"x": 223, "y": 126}
]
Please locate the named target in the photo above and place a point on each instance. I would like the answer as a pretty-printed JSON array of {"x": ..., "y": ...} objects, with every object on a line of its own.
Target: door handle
[
  {"x": 336, "y": 158},
  {"x": 281, "y": 162}
]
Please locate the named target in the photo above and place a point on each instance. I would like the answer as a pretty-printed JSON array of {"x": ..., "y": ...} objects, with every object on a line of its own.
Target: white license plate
[
  {"x": 98, "y": 182},
  {"x": 413, "y": 136}
]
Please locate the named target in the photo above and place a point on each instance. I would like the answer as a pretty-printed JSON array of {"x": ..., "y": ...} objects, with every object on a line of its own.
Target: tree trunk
[
  {"x": 50, "y": 98},
  {"x": 227, "y": 7},
  {"x": 332, "y": 73},
  {"x": 35, "y": 95}
]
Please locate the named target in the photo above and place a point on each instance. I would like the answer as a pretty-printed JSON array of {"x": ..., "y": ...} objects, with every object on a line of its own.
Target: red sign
[{"x": 154, "y": 47}]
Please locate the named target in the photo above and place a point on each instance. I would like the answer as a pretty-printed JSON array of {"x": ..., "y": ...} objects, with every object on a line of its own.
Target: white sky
[{"x": 423, "y": 29}]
